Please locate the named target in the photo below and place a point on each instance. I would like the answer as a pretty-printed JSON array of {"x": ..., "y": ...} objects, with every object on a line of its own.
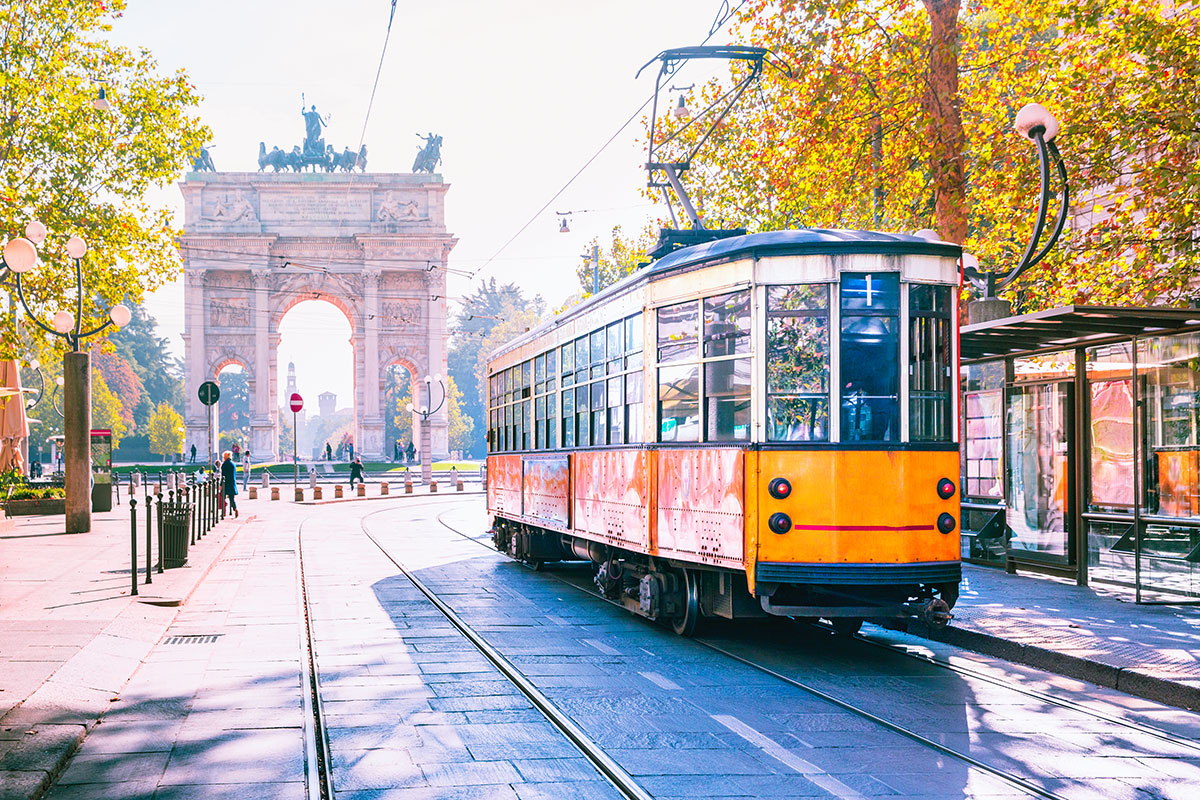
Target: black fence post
[
  {"x": 133, "y": 546},
  {"x": 149, "y": 568},
  {"x": 160, "y": 528},
  {"x": 187, "y": 500}
]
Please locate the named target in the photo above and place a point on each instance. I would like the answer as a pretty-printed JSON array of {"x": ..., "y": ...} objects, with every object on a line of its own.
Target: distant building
[
  {"x": 327, "y": 403},
  {"x": 291, "y": 380}
]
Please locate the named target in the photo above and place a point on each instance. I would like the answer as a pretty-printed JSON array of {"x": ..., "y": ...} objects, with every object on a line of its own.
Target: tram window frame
[
  {"x": 726, "y": 416},
  {"x": 795, "y": 306},
  {"x": 875, "y": 328},
  {"x": 567, "y": 403},
  {"x": 930, "y": 326},
  {"x": 684, "y": 346}
]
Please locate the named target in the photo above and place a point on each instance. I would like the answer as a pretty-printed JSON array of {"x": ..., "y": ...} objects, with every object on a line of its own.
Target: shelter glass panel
[{"x": 1169, "y": 371}]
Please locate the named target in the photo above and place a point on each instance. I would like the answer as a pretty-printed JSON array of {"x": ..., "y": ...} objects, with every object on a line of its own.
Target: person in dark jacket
[
  {"x": 229, "y": 480},
  {"x": 356, "y": 471}
]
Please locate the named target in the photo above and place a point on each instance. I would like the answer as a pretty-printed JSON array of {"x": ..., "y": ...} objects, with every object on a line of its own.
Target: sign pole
[
  {"x": 295, "y": 402},
  {"x": 208, "y": 466}
]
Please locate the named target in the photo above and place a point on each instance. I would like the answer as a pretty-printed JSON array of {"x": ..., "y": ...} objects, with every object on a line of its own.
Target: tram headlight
[
  {"x": 945, "y": 488},
  {"x": 780, "y": 488},
  {"x": 779, "y": 522},
  {"x": 945, "y": 522}
]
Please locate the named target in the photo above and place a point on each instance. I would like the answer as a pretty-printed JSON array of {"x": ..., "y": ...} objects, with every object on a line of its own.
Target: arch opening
[{"x": 316, "y": 357}]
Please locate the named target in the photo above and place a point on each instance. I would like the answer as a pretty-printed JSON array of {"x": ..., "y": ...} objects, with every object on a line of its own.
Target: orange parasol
[{"x": 14, "y": 426}]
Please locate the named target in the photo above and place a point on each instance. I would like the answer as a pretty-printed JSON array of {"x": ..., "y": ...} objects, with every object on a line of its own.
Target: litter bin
[{"x": 177, "y": 524}]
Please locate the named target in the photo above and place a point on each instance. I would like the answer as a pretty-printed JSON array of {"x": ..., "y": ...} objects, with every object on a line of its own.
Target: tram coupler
[{"x": 935, "y": 613}]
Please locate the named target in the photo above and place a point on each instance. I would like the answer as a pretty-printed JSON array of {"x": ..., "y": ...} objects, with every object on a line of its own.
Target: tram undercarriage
[{"x": 681, "y": 594}]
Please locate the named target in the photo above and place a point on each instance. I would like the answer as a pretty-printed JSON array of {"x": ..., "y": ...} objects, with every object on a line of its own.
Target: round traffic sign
[
  {"x": 297, "y": 402},
  {"x": 209, "y": 393}
]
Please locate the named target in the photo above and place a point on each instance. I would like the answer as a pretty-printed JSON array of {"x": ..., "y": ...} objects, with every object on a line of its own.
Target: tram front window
[{"x": 870, "y": 355}]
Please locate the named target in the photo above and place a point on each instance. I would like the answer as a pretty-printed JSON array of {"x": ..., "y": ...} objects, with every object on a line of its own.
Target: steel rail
[
  {"x": 318, "y": 762},
  {"x": 1012, "y": 780},
  {"x": 1036, "y": 694},
  {"x": 621, "y": 780},
  {"x": 318, "y": 758}
]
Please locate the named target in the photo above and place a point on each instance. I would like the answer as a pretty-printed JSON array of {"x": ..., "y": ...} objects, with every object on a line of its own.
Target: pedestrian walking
[
  {"x": 229, "y": 481},
  {"x": 246, "y": 469},
  {"x": 193, "y": 461},
  {"x": 356, "y": 471},
  {"x": 237, "y": 451},
  {"x": 410, "y": 451},
  {"x": 328, "y": 452}
]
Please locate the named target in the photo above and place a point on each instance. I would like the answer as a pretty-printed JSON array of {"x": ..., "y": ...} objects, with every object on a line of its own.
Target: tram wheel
[
  {"x": 846, "y": 626},
  {"x": 685, "y": 624}
]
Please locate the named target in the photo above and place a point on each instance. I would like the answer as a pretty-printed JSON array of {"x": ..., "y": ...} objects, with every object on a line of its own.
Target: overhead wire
[{"x": 724, "y": 14}]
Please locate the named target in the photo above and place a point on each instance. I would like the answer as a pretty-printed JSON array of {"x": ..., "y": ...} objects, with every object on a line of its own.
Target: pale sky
[{"x": 524, "y": 92}]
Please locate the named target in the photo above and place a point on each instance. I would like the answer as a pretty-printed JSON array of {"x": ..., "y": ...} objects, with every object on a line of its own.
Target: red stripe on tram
[{"x": 864, "y": 527}]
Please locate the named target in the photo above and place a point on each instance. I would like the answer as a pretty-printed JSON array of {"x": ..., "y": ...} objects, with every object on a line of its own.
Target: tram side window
[
  {"x": 679, "y": 403},
  {"x": 870, "y": 356},
  {"x": 929, "y": 378},
  {"x": 798, "y": 363},
  {"x": 633, "y": 425},
  {"x": 726, "y": 379},
  {"x": 678, "y": 332},
  {"x": 568, "y": 418},
  {"x": 567, "y": 363}
]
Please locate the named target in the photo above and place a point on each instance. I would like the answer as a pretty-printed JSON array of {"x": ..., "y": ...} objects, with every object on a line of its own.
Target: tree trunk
[{"x": 946, "y": 137}]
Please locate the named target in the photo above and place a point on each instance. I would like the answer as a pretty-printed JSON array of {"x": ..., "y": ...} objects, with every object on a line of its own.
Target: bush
[{"x": 37, "y": 493}]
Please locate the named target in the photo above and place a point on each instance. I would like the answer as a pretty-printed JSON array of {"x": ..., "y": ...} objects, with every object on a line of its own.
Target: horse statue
[
  {"x": 203, "y": 162},
  {"x": 429, "y": 156},
  {"x": 347, "y": 160},
  {"x": 295, "y": 159},
  {"x": 275, "y": 159}
]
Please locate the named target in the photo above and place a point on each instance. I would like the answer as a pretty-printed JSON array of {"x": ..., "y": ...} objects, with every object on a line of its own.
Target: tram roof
[{"x": 802, "y": 241}]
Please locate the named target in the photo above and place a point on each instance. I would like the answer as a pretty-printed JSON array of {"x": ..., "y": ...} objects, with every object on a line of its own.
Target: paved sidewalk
[
  {"x": 215, "y": 710},
  {"x": 1088, "y": 633},
  {"x": 71, "y": 635}
]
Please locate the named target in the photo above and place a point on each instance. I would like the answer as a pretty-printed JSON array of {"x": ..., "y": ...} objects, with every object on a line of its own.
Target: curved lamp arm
[{"x": 1039, "y": 125}]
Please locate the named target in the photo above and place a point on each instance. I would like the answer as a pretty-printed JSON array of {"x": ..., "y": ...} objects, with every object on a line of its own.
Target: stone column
[
  {"x": 77, "y": 443},
  {"x": 195, "y": 306},
  {"x": 263, "y": 438},
  {"x": 372, "y": 426},
  {"x": 435, "y": 314}
]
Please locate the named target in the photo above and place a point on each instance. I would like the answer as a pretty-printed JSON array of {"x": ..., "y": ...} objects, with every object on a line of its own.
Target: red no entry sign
[{"x": 296, "y": 402}]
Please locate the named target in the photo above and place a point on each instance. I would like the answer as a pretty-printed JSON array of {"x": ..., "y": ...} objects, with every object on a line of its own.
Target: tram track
[
  {"x": 1013, "y": 780},
  {"x": 317, "y": 742},
  {"x": 318, "y": 758}
]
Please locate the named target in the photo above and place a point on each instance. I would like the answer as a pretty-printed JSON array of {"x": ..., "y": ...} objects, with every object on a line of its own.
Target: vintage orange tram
[{"x": 761, "y": 424}]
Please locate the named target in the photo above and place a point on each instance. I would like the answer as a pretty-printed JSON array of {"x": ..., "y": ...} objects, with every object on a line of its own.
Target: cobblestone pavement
[
  {"x": 412, "y": 710},
  {"x": 688, "y": 722}
]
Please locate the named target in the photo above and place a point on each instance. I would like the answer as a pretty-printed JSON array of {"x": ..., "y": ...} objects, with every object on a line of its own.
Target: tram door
[{"x": 1040, "y": 471}]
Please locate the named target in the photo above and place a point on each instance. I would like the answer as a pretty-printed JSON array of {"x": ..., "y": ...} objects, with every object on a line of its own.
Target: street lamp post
[
  {"x": 20, "y": 256},
  {"x": 426, "y": 411}
]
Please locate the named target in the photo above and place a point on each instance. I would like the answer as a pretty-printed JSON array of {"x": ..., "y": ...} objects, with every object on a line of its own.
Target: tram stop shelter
[{"x": 1059, "y": 474}]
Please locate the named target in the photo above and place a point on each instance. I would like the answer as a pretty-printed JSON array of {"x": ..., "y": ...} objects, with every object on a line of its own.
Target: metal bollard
[
  {"x": 133, "y": 546},
  {"x": 408, "y": 487},
  {"x": 149, "y": 568},
  {"x": 160, "y": 530}
]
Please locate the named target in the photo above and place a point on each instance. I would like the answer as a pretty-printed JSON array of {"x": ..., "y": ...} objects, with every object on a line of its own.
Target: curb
[
  {"x": 26, "y": 775},
  {"x": 1130, "y": 680},
  {"x": 397, "y": 496}
]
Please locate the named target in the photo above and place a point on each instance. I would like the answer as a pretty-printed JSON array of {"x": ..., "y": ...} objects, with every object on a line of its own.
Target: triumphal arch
[{"x": 257, "y": 243}]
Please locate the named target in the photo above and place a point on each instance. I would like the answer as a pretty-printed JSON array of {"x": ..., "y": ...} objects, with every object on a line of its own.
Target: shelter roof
[{"x": 1069, "y": 326}]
